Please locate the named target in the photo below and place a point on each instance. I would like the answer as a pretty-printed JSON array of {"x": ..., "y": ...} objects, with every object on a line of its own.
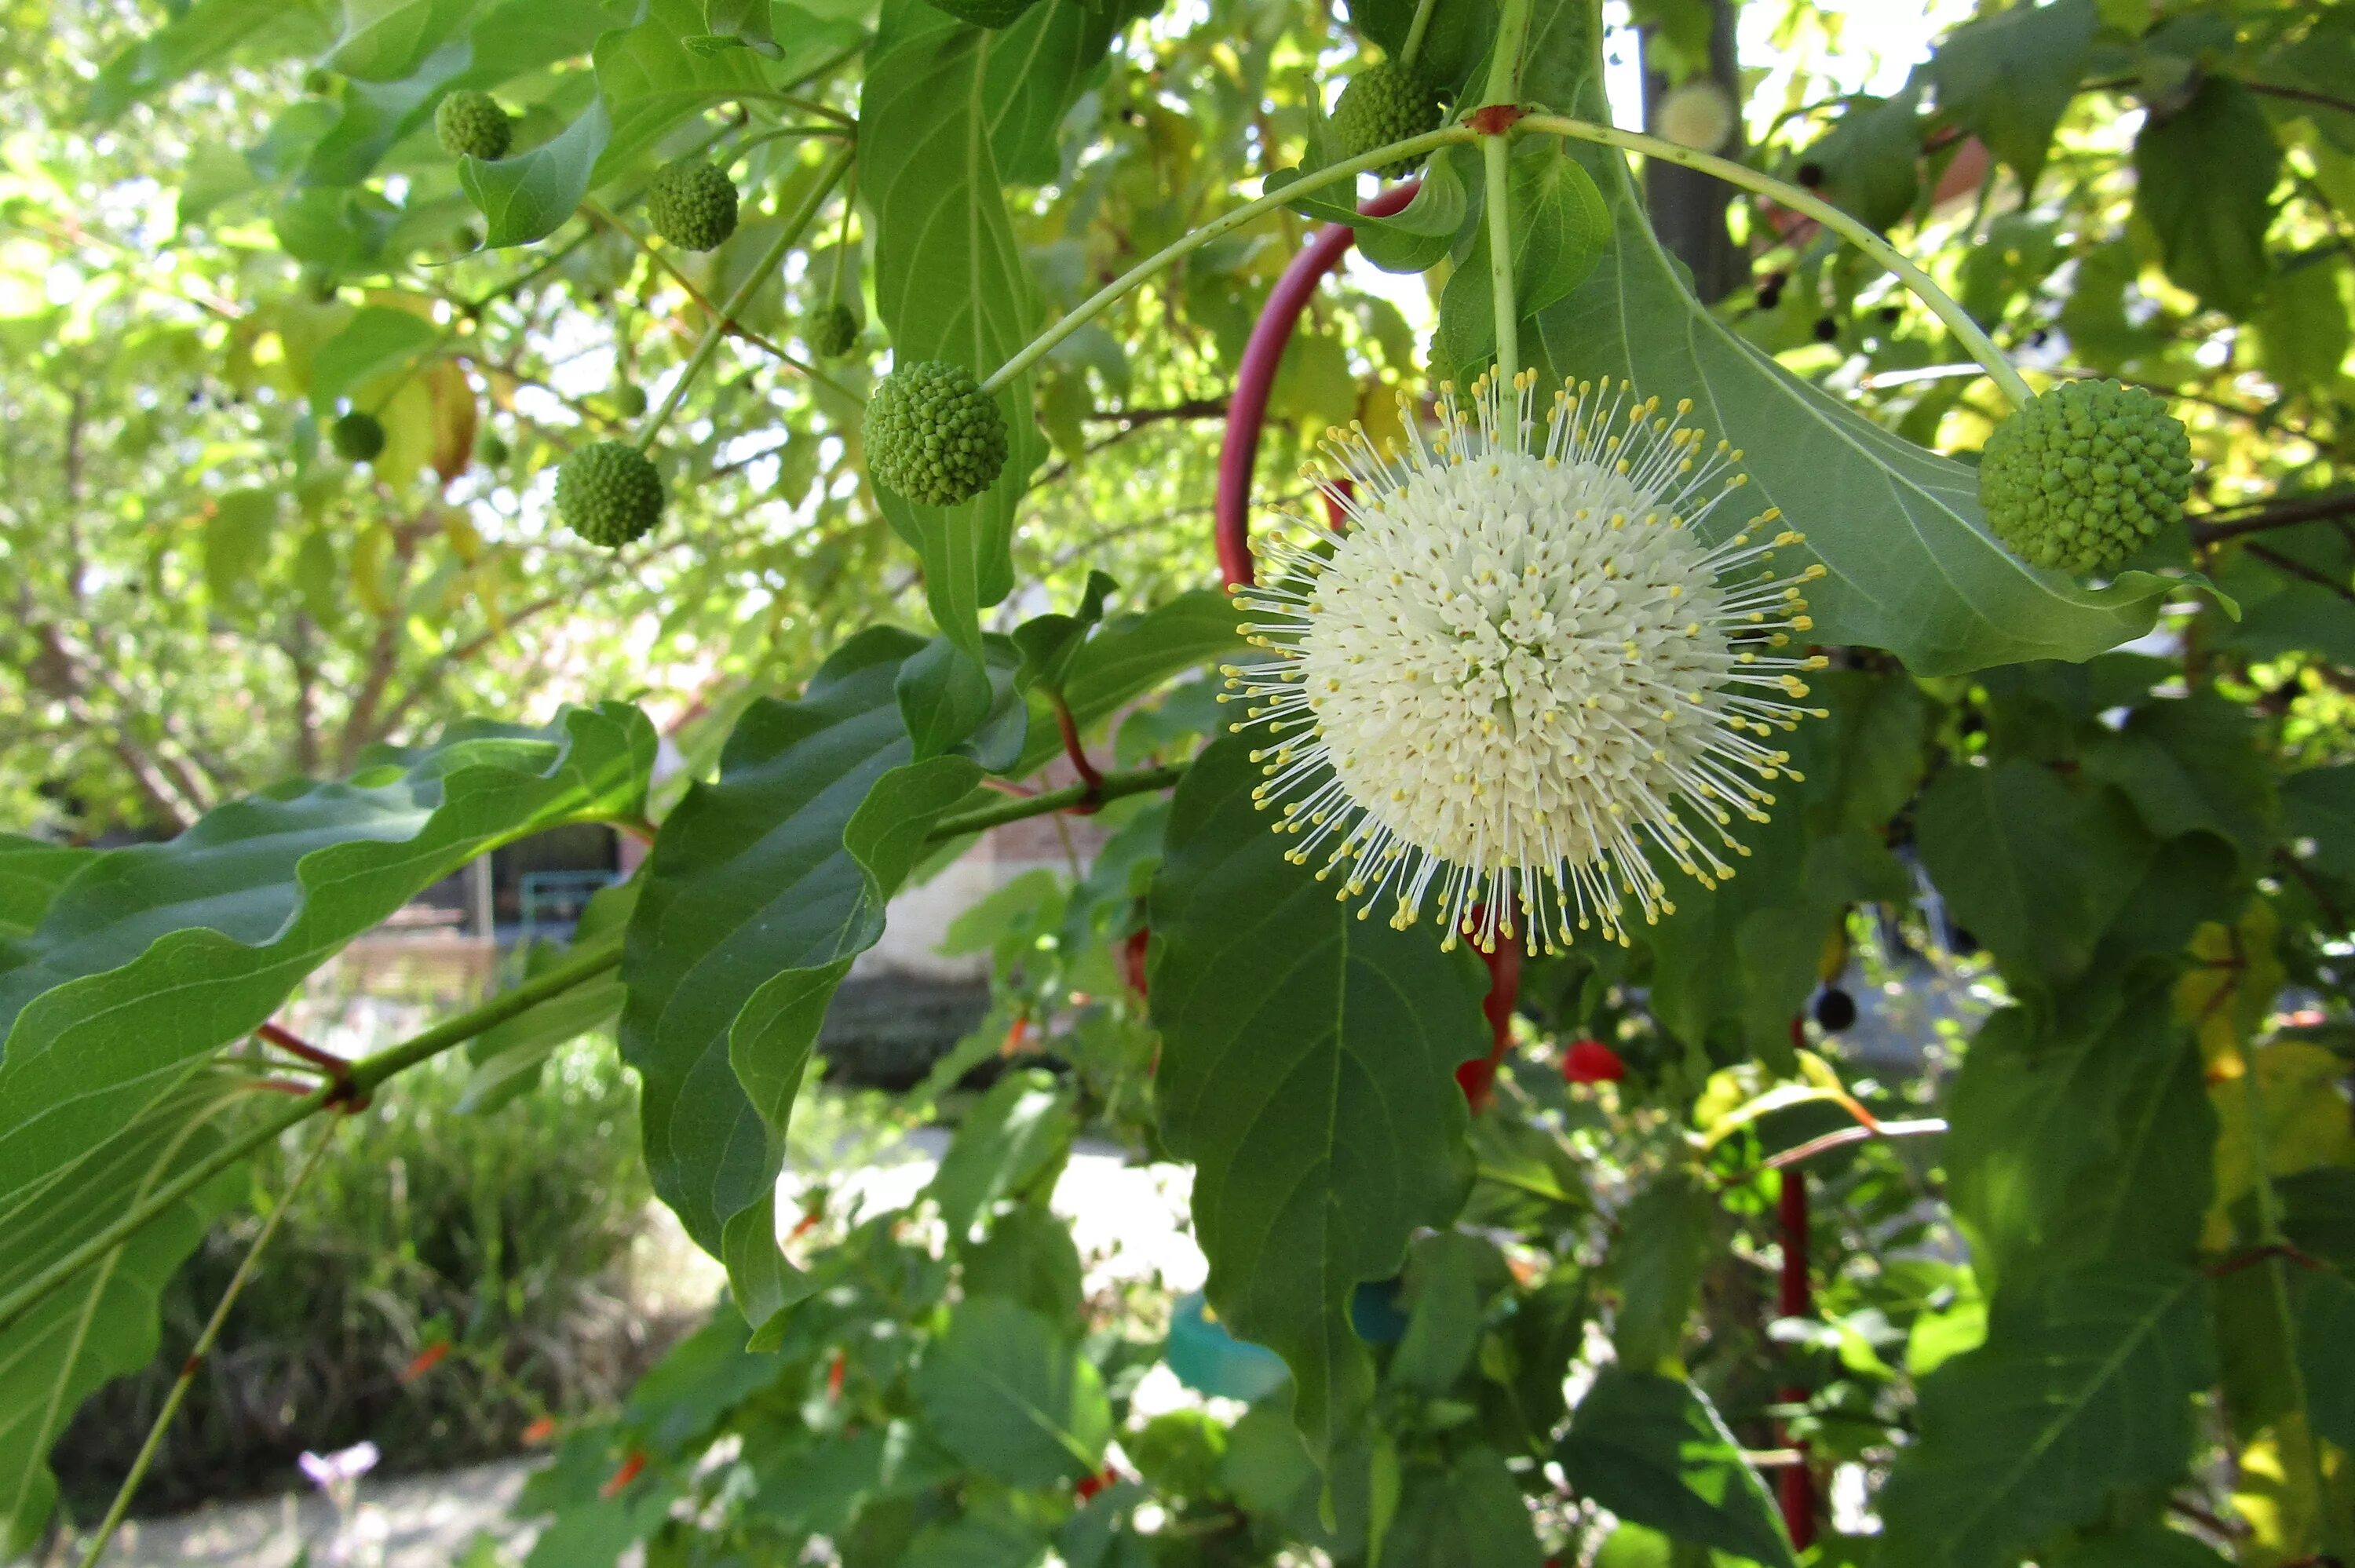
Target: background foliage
[{"x": 2079, "y": 1271}]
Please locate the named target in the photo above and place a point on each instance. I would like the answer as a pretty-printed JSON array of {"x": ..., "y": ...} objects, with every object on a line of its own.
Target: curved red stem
[{"x": 1248, "y": 408}]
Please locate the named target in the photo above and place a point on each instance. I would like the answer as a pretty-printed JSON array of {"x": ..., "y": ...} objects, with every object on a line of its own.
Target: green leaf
[
  {"x": 649, "y": 81},
  {"x": 2318, "y": 804},
  {"x": 31, "y": 872},
  {"x": 1656, "y": 1264},
  {"x": 2324, "y": 1304},
  {"x": 2082, "y": 1391},
  {"x": 384, "y": 40},
  {"x": 1307, "y": 1069},
  {"x": 1018, "y": 1134},
  {"x": 2302, "y": 327},
  {"x": 940, "y": 121},
  {"x": 1012, "y": 1397},
  {"x": 150, "y": 956},
  {"x": 992, "y": 1535},
  {"x": 2007, "y": 79},
  {"x": 529, "y": 195},
  {"x": 102, "y": 1324},
  {"x": 2144, "y": 1546},
  {"x": 1130, "y": 654},
  {"x": 1029, "y": 1256},
  {"x": 2035, "y": 871},
  {"x": 1424, "y": 231},
  {"x": 2203, "y": 181},
  {"x": 2084, "y": 1141},
  {"x": 2191, "y": 764},
  {"x": 1912, "y": 568},
  {"x": 1050, "y": 642},
  {"x": 236, "y": 540},
  {"x": 1472, "y": 1511},
  {"x": 761, "y": 890},
  {"x": 1450, "y": 1276},
  {"x": 1652, "y": 1449},
  {"x": 1561, "y": 227},
  {"x": 377, "y": 341},
  {"x": 198, "y": 36}
]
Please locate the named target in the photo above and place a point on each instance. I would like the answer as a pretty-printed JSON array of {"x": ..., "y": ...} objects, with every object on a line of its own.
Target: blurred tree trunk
[{"x": 1687, "y": 208}]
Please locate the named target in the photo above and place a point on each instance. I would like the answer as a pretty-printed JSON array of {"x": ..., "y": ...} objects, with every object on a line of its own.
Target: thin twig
[
  {"x": 2208, "y": 530},
  {"x": 203, "y": 1347}
]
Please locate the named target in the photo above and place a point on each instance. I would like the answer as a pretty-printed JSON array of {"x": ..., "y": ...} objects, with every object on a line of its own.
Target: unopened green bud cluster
[
  {"x": 932, "y": 435},
  {"x": 692, "y": 205},
  {"x": 472, "y": 125},
  {"x": 2084, "y": 476},
  {"x": 1385, "y": 103},
  {"x": 609, "y": 494},
  {"x": 356, "y": 437},
  {"x": 833, "y": 332}
]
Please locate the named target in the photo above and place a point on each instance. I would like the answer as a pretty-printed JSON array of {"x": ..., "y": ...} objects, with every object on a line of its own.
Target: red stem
[
  {"x": 288, "y": 1041},
  {"x": 1086, "y": 769},
  {"x": 1793, "y": 1298},
  {"x": 1247, "y": 409},
  {"x": 1477, "y": 1078}
]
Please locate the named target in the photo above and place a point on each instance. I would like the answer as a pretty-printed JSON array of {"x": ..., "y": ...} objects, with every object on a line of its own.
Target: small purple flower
[{"x": 341, "y": 1467}]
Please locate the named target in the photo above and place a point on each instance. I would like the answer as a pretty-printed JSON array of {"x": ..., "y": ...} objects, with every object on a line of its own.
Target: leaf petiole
[
  {"x": 1942, "y": 304},
  {"x": 365, "y": 1074},
  {"x": 721, "y": 323},
  {"x": 1170, "y": 254}
]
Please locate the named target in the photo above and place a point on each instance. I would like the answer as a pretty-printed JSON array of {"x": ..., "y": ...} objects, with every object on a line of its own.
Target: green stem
[
  {"x": 1421, "y": 24},
  {"x": 197, "y": 1354},
  {"x": 842, "y": 239},
  {"x": 1512, "y": 42},
  {"x": 1942, "y": 304},
  {"x": 1177, "y": 251},
  {"x": 721, "y": 323},
  {"x": 1494, "y": 155},
  {"x": 1111, "y": 786},
  {"x": 363, "y": 1077}
]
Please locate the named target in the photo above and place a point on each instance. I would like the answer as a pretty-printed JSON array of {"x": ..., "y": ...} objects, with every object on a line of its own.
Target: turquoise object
[
  {"x": 1208, "y": 1359},
  {"x": 1374, "y": 1312}
]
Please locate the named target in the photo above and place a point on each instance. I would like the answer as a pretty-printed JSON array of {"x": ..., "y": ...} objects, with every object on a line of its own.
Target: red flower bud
[
  {"x": 1592, "y": 1062},
  {"x": 620, "y": 1481},
  {"x": 1087, "y": 1487}
]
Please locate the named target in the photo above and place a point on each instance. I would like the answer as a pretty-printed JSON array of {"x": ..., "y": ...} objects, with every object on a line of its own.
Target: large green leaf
[
  {"x": 2203, "y": 181},
  {"x": 528, "y": 197},
  {"x": 377, "y": 341},
  {"x": 1307, "y": 1069},
  {"x": 761, "y": 890},
  {"x": 1020, "y": 1131},
  {"x": 1913, "y": 567},
  {"x": 2088, "y": 1140},
  {"x": 1652, "y": 1449},
  {"x": 2082, "y": 1391},
  {"x": 649, "y": 80},
  {"x": 31, "y": 872},
  {"x": 2035, "y": 869},
  {"x": 384, "y": 40},
  {"x": 103, "y": 1324},
  {"x": 2007, "y": 79},
  {"x": 1012, "y": 1396},
  {"x": 150, "y": 956},
  {"x": 1130, "y": 654},
  {"x": 1470, "y": 1511},
  {"x": 948, "y": 112},
  {"x": 196, "y": 38}
]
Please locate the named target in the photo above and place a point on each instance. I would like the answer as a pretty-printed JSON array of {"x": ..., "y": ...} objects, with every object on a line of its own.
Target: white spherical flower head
[{"x": 1522, "y": 668}]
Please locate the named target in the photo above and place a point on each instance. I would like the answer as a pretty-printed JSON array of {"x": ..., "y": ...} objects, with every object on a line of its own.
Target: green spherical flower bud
[
  {"x": 833, "y": 332},
  {"x": 472, "y": 125},
  {"x": 1385, "y": 103},
  {"x": 932, "y": 435},
  {"x": 609, "y": 494},
  {"x": 356, "y": 437},
  {"x": 319, "y": 281},
  {"x": 629, "y": 400},
  {"x": 986, "y": 13},
  {"x": 691, "y": 205},
  {"x": 493, "y": 449},
  {"x": 2084, "y": 476}
]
